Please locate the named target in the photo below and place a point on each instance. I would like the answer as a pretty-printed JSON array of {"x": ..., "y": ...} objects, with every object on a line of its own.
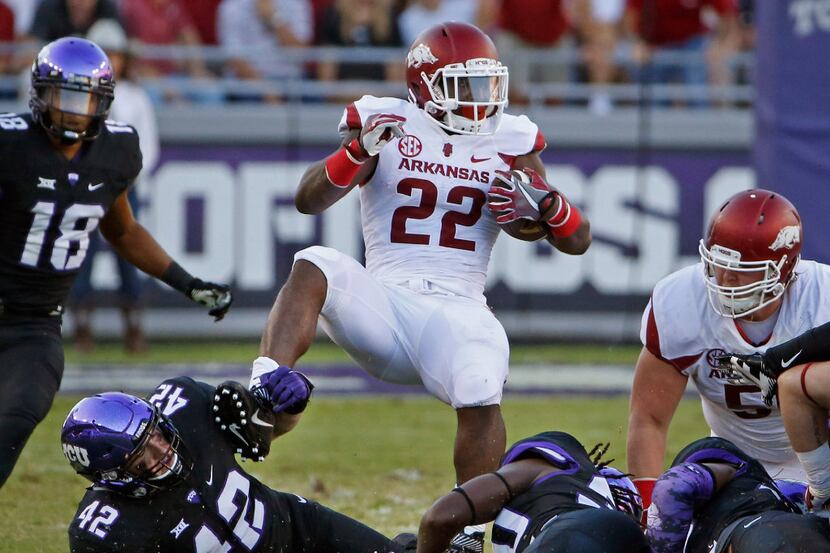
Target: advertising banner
[
  {"x": 227, "y": 214},
  {"x": 792, "y": 149}
]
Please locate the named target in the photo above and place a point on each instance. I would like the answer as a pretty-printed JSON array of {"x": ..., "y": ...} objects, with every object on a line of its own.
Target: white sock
[
  {"x": 261, "y": 366},
  {"x": 816, "y": 464}
]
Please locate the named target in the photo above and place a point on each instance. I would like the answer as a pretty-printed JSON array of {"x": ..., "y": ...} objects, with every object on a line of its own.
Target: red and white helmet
[
  {"x": 454, "y": 74},
  {"x": 753, "y": 231}
]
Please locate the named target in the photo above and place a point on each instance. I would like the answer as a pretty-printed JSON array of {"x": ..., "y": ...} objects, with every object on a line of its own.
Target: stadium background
[{"x": 648, "y": 174}]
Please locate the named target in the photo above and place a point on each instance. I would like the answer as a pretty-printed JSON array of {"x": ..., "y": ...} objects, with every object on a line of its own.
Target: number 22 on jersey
[{"x": 426, "y": 207}]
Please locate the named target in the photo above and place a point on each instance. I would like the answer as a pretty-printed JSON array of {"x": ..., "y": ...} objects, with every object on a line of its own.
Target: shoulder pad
[
  {"x": 678, "y": 303},
  {"x": 357, "y": 112},
  {"x": 124, "y": 140},
  {"x": 518, "y": 135},
  {"x": 712, "y": 449},
  {"x": 176, "y": 393},
  {"x": 809, "y": 291},
  {"x": 558, "y": 448}
]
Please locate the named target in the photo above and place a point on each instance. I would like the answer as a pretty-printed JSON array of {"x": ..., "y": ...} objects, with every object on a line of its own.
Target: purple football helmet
[
  {"x": 626, "y": 497},
  {"x": 71, "y": 77},
  {"x": 103, "y": 433}
]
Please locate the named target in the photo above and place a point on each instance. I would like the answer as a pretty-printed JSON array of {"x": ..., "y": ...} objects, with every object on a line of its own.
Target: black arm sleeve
[{"x": 813, "y": 345}]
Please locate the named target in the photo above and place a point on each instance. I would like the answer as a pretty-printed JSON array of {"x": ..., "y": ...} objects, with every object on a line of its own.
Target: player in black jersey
[
  {"x": 715, "y": 499},
  {"x": 548, "y": 496},
  {"x": 64, "y": 169},
  {"x": 166, "y": 479},
  {"x": 796, "y": 373}
]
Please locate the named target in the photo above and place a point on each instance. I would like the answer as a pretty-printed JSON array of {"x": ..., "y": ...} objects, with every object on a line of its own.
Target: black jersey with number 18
[{"x": 49, "y": 205}]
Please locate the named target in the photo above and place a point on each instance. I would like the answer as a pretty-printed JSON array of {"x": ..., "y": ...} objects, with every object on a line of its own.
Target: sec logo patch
[
  {"x": 410, "y": 146},
  {"x": 710, "y": 357}
]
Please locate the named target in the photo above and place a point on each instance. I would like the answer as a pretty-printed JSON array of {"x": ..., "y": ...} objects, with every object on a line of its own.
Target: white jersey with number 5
[
  {"x": 680, "y": 327},
  {"x": 424, "y": 210}
]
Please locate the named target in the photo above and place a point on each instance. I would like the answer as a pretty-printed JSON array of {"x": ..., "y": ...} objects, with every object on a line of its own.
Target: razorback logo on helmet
[
  {"x": 787, "y": 238},
  {"x": 420, "y": 55}
]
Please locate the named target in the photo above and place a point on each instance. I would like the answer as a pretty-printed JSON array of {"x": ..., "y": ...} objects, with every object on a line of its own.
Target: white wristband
[{"x": 261, "y": 366}]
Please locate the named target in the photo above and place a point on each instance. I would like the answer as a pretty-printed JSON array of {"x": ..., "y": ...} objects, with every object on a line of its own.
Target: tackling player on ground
[
  {"x": 426, "y": 170},
  {"x": 548, "y": 496},
  {"x": 165, "y": 478},
  {"x": 750, "y": 292},
  {"x": 796, "y": 374},
  {"x": 64, "y": 170},
  {"x": 715, "y": 498}
]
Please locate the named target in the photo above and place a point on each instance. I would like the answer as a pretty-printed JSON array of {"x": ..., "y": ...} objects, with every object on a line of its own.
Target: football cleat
[
  {"x": 464, "y": 542},
  {"x": 250, "y": 437}
]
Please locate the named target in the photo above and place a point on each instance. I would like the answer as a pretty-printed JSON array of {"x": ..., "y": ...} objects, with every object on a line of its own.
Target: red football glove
[{"x": 521, "y": 194}]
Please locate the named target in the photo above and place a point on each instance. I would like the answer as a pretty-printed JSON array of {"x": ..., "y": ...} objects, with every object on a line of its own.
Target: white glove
[
  {"x": 379, "y": 130},
  {"x": 751, "y": 368}
]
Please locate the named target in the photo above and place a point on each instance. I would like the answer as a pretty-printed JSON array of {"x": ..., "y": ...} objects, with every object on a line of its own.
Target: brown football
[{"x": 529, "y": 231}]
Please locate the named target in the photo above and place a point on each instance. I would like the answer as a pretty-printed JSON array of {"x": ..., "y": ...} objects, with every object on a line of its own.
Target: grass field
[
  {"x": 382, "y": 460},
  {"x": 326, "y": 352}
]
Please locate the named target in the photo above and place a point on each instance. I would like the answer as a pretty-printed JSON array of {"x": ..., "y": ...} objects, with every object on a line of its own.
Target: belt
[{"x": 7, "y": 310}]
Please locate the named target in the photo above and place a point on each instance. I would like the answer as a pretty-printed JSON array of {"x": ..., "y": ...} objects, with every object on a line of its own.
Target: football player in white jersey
[
  {"x": 796, "y": 374},
  {"x": 416, "y": 313},
  {"x": 749, "y": 292}
]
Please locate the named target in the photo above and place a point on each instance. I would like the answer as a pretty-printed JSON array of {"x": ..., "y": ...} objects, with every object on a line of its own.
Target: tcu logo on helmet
[
  {"x": 410, "y": 146},
  {"x": 787, "y": 238},
  {"x": 420, "y": 55},
  {"x": 76, "y": 454}
]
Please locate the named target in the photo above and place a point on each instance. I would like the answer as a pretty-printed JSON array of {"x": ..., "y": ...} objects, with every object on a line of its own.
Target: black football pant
[
  {"x": 590, "y": 531},
  {"x": 31, "y": 366},
  {"x": 314, "y": 528}
]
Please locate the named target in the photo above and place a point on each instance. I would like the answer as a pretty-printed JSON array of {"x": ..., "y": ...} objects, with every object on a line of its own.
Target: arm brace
[
  {"x": 811, "y": 346},
  {"x": 677, "y": 493}
]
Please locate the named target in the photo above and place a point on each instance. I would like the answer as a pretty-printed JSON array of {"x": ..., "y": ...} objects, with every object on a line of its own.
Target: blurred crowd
[{"x": 558, "y": 51}]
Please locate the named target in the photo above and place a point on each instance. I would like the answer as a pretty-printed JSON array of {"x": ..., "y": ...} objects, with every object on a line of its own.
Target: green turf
[
  {"x": 245, "y": 351},
  {"x": 380, "y": 460}
]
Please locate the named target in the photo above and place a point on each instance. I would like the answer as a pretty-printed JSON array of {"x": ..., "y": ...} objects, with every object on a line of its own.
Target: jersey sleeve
[
  {"x": 101, "y": 524},
  {"x": 670, "y": 322},
  {"x": 357, "y": 112},
  {"x": 179, "y": 392},
  {"x": 518, "y": 136},
  {"x": 129, "y": 151},
  {"x": 817, "y": 294}
]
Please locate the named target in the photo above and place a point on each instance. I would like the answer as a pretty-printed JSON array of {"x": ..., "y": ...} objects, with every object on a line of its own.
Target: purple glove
[{"x": 284, "y": 390}]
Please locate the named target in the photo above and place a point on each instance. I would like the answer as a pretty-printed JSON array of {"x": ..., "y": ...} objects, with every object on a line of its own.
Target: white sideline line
[{"x": 536, "y": 378}]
